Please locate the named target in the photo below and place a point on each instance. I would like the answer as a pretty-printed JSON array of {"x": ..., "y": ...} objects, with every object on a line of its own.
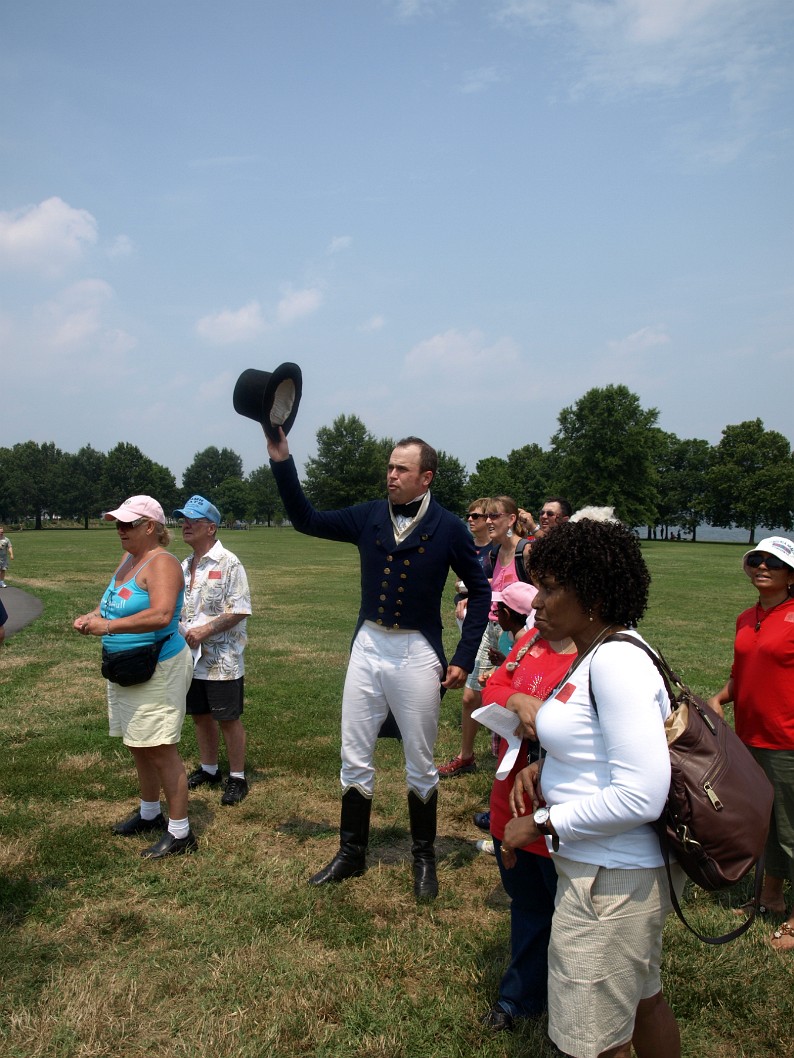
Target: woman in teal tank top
[{"x": 141, "y": 605}]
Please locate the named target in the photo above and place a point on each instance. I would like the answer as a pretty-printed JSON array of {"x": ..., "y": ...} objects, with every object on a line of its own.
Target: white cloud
[
  {"x": 77, "y": 321},
  {"x": 231, "y": 326},
  {"x": 640, "y": 341},
  {"x": 295, "y": 304},
  {"x": 339, "y": 243},
  {"x": 623, "y": 45},
  {"x": 121, "y": 246},
  {"x": 374, "y": 323},
  {"x": 456, "y": 355},
  {"x": 46, "y": 238},
  {"x": 410, "y": 9},
  {"x": 478, "y": 80}
]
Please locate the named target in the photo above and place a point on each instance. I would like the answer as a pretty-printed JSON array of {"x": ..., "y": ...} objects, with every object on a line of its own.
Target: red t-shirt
[
  {"x": 763, "y": 677},
  {"x": 538, "y": 672}
]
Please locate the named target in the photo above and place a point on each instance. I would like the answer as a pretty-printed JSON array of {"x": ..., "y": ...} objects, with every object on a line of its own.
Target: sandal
[
  {"x": 784, "y": 933},
  {"x": 762, "y": 910}
]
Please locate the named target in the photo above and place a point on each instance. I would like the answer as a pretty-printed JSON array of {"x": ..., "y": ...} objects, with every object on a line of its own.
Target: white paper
[
  {"x": 202, "y": 619},
  {"x": 505, "y": 723}
]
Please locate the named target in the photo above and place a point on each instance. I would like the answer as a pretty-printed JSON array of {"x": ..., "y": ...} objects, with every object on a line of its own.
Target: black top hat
[{"x": 270, "y": 399}]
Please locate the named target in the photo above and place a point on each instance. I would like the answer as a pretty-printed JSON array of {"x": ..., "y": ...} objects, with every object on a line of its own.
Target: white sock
[
  {"x": 150, "y": 809},
  {"x": 212, "y": 769},
  {"x": 178, "y": 828},
  {"x": 236, "y": 774}
]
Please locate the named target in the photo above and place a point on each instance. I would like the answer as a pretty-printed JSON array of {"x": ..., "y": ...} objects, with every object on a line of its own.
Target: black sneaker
[
  {"x": 483, "y": 821},
  {"x": 199, "y": 777},
  {"x": 236, "y": 789},
  {"x": 168, "y": 845},
  {"x": 136, "y": 824}
]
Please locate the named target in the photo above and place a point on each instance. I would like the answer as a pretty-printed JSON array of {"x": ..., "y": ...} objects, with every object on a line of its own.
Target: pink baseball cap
[
  {"x": 519, "y": 596},
  {"x": 137, "y": 507}
]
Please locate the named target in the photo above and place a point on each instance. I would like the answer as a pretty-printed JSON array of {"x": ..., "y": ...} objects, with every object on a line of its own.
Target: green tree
[
  {"x": 209, "y": 469},
  {"x": 266, "y": 502},
  {"x": 7, "y": 511},
  {"x": 491, "y": 477},
  {"x": 82, "y": 485},
  {"x": 682, "y": 468},
  {"x": 128, "y": 472},
  {"x": 449, "y": 484},
  {"x": 349, "y": 466},
  {"x": 233, "y": 499},
  {"x": 605, "y": 449},
  {"x": 530, "y": 470},
  {"x": 751, "y": 480},
  {"x": 35, "y": 479}
]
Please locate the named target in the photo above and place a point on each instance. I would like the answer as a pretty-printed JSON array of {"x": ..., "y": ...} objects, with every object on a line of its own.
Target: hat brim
[{"x": 271, "y": 399}]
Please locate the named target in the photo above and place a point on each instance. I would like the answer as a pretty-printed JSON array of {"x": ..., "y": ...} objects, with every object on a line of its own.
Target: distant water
[{"x": 717, "y": 534}]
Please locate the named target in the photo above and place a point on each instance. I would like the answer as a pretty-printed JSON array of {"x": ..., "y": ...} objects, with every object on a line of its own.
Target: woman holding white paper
[{"x": 531, "y": 672}]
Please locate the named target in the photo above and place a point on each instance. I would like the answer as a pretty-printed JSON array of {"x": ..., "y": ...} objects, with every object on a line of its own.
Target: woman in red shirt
[
  {"x": 532, "y": 670},
  {"x": 761, "y": 686}
]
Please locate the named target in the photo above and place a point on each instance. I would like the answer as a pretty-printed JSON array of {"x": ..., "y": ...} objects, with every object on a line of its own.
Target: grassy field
[{"x": 229, "y": 953}]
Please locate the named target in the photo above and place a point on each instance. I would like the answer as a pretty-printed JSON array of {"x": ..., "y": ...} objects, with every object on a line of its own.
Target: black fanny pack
[{"x": 129, "y": 667}]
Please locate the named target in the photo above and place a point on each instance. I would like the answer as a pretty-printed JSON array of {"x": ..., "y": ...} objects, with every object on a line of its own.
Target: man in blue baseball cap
[{"x": 217, "y": 603}]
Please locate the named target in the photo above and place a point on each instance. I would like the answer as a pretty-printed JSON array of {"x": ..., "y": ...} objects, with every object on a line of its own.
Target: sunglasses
[
  {"x": 493, "y": 517},
  {"x": 761, "y": 558},
  {"x": 475, "y": 516},
  {"x": 547, "y": 514},
  {"x": 131, "y": 525}
]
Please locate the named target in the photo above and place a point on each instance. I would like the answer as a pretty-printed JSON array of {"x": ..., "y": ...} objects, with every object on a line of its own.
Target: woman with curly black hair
[{"x": 605, "y": 779}]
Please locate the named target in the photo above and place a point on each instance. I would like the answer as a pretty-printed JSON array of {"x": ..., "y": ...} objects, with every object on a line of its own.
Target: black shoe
[
  {"x": 199, "y": 777},
  {"x": 137, "y": 825},
  {"x": 483, "y": 821},
  {"x": 498, "y": 1020},
  {"x": 236, "y": 789},
  {"x": 168, "y": 845}
]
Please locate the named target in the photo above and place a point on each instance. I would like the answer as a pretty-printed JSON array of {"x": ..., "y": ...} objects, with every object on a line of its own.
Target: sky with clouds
[{"x": 456, "y": 216}]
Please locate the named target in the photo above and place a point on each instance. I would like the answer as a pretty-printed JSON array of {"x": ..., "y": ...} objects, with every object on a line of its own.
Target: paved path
[{"x": 22, "y": 608}]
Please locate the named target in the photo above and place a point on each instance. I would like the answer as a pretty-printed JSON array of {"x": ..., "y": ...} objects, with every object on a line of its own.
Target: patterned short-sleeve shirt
[{"x": 220, "y": 586}]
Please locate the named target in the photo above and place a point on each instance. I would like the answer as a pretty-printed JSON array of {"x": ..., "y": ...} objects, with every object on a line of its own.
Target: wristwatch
[{"x": 544, "y": 824}]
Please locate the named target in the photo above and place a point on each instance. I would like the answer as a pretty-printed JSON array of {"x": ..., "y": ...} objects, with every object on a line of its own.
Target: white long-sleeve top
[{"x": 606, "y": 776}]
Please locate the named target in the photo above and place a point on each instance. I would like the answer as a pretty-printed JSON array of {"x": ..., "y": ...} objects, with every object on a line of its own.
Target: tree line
[{"x": 607, "y": 450}]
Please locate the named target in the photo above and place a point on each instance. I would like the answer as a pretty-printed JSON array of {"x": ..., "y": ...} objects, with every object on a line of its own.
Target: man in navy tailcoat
[{"x": 407, "y": 545}]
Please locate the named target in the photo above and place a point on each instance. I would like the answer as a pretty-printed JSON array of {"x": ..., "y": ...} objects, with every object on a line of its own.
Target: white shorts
[
  {"x": 605, "y": 951},
  {"x": 152, "y": 713}
]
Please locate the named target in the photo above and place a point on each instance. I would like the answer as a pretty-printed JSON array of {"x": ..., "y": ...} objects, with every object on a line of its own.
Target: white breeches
[{"x": 398, "y": 671}]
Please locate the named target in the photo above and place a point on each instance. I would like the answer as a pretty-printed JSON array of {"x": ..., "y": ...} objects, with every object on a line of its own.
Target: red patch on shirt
[
  {"x": 125, "y": 593},
  {"x": 564, "y": 693},
  {"x": 214, "y": 574}
]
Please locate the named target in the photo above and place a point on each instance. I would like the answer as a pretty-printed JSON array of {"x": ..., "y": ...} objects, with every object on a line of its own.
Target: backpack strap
[
  {"x": 669, "y": 677},
  {"x": 521, "y": 568}
]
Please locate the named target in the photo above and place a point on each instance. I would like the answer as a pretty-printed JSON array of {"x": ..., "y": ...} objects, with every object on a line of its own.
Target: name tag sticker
[
  {"x": 125, "y": 593},
  {"x": 564, "y": 693},
  {"x": 214, "y": 574},
  {"x": 789, "y": 616}
]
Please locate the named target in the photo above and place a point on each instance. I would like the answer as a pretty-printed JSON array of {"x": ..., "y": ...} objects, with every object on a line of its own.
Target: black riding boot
[
  {"x": 351, "y": 860},
  {"x": 423, "y": 831}
]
